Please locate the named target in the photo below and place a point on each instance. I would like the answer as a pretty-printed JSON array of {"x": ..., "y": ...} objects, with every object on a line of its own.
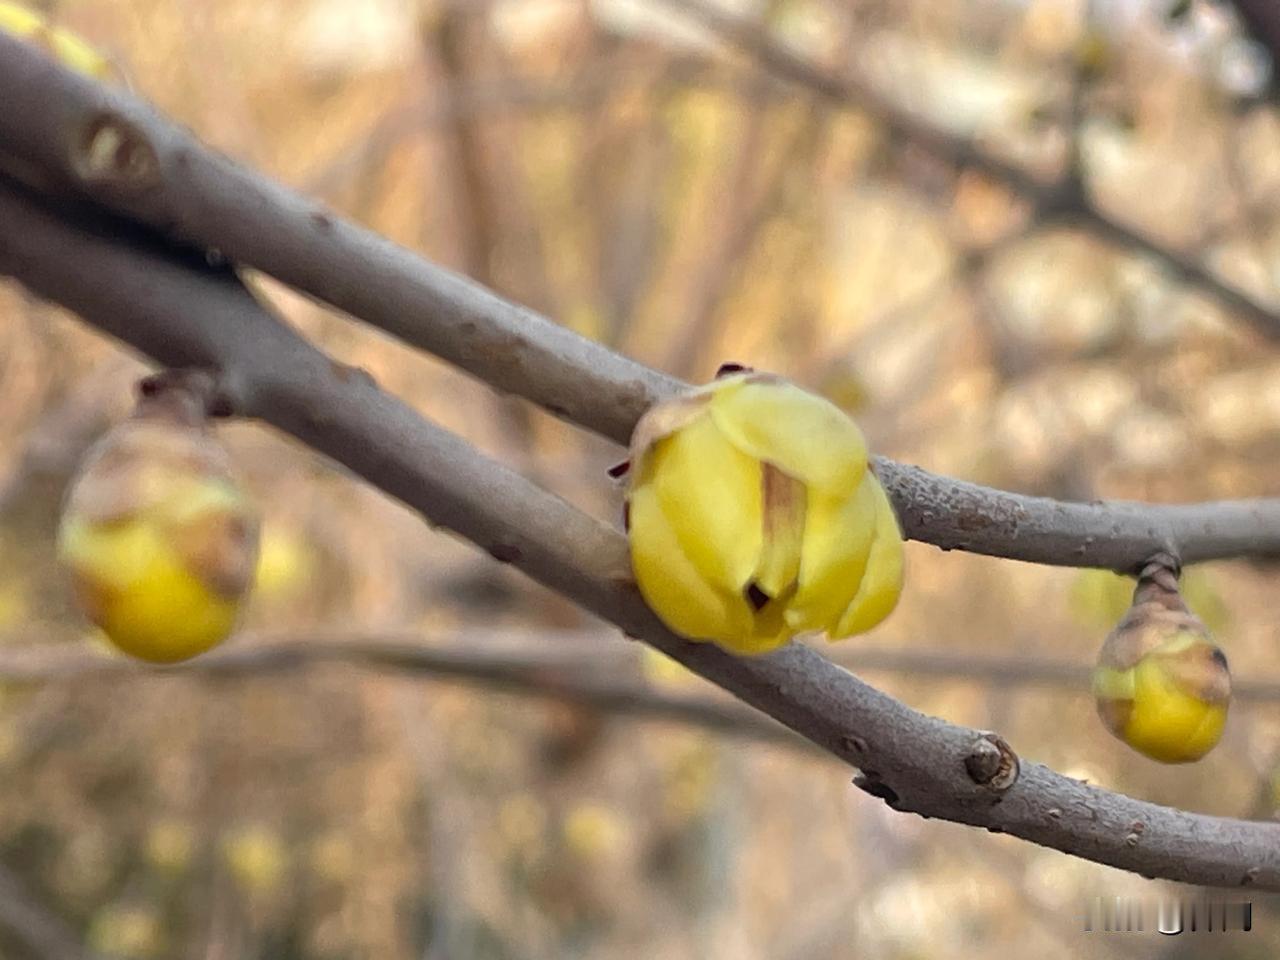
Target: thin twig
[{"x": 579, "y": 665}]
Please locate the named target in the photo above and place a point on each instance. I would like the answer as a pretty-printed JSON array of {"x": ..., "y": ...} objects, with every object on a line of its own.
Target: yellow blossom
[
  {"x": 593, "y": 831},
  {"x": 170, "y": 845},
  {"x": 256, "y": 858},
  {"x": 285, "y": 563},
  {"x": 1162, "y": 685},
  {"x": 753, "y": 517},
  {"x": 158, "y": 538},
  {"x": 127, "y": 931}
]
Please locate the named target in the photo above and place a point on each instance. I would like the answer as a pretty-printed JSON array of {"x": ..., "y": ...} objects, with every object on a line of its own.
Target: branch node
[
  {"x": 1158, "y": 582},
  {"x": 729, "y": 368},
  {"x": 869, "y": 781},
  {"x": 1161, "y": 560},
  {"x": 992, "y": 763},
  {"x": 114, "y": 153},
  {"x": 506, "y": 552},
  {"x": 855, "y": 744},
  {"x": 348, "y": 373},
  {"x": 203, "y": 390}
]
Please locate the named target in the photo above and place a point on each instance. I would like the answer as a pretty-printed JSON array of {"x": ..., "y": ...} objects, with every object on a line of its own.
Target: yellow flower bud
[
  {"x": 1161, "y": 683},
  {"x": 256, "y": 857},
  {"x": 64, "y": 46},
  {"x": 170, "y": 845},
  {"x": 753, "y": 517},
  {"x": 593, "y": 831},
  {"x": 158, "y": 538},
  {"x": 127, "y": 931}
]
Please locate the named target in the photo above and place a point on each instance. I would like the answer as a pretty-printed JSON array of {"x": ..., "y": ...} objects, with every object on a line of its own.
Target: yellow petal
[
  {"x": 1112, "y": 684},
  {"x": 677, "y": 592},
  {"x": 882, "y": 580},
  {"x": 1207, "y": 734},
  {"x": 146, "y": 601},
  {"x": 711, "y": 495},
  {"x": 188, "y": 499},
  {"x": 767, "y": 630},
  {"x": 1168, "y": 723},
  {"x": 837, "y": 537},
  {"x": 19, "y": 20},
  {"x": 760, "y": 640},
  {"x": 804, "y": 435},
  {"x": 114, "y": 554},
  {"x": 168, "y": 617},
  {"x": 783, "y": 503}
]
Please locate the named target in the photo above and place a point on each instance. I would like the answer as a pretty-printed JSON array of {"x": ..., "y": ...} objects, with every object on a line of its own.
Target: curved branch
[
  {"x": 109, "y": 146},
  {"x": 182, "y": 313}
]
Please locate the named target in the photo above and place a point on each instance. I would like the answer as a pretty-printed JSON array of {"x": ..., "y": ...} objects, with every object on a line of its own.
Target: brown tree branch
[
  {"x": 182, "y": 312},
  {"x": 105, "y": 144}
]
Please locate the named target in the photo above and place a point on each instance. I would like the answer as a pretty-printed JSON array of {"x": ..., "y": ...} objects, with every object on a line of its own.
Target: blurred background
[{"x": 1030, "y": 244}]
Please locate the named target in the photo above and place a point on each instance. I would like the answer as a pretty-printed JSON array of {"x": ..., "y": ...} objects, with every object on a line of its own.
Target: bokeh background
[{"x": 1009, "y": 236}]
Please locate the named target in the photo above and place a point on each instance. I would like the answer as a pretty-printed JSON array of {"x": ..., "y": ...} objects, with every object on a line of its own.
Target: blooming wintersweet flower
[
  {"x": 1161, "y": 684},
  {"x": 753, "y": 517}
]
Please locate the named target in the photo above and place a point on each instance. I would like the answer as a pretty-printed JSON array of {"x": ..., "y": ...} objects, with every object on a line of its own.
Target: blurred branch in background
[
  {"x": 495, "y": 99},
  {"x": 540, "y": 668},
  {"x": 582, "y": 668},
  {"x": 452, "y": 41},
  {"x": 758, "y": 193},
  {"x": 1061, "y": 197},
  {"x": 38, "y": 929}
]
